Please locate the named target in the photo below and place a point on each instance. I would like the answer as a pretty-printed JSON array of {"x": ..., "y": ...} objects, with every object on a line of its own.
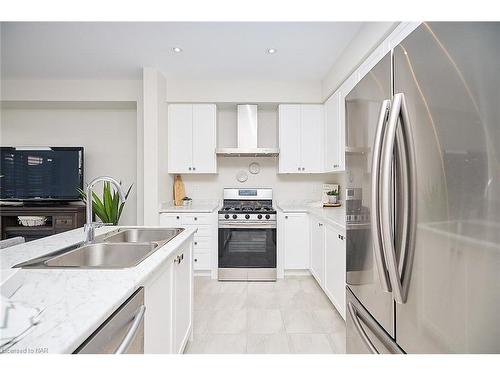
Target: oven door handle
[{"x": 247, "y": 226}]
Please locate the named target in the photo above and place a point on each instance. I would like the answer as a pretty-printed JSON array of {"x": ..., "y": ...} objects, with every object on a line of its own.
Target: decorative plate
[
  {"x": 254, "y": 168},
  {"x": 241, "y": 176}
]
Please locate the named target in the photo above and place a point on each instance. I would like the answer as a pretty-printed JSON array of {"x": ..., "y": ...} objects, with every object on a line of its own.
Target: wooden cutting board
[{"x": 179, "y": 191}]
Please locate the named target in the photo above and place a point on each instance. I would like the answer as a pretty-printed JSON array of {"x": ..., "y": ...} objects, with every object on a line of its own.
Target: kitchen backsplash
[{"x": 285, "y": 186}]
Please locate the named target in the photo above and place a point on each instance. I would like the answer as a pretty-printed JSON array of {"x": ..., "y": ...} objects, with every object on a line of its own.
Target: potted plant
[
  {"x": 333, "y": 196},
  {"x": 108, "y": 209},
  {"x": 186, "y": 201}
]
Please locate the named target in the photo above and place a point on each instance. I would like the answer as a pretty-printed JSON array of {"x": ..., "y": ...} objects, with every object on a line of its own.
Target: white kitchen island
[{"x": 75, "y": 302}]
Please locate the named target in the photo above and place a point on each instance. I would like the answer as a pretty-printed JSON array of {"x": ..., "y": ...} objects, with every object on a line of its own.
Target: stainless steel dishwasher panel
[{"x": 122, "y": 332}]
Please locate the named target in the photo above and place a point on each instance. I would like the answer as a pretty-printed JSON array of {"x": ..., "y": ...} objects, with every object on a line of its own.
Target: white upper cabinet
[
  {"x": 180, "y": 136},
  {"x": 334, "y": 142},
  {"x": 289, "y": 138},
  {"x": 204, "y": 138},
  {"x": 192, "y": 138},
  {"x": 300, "y": 138}
]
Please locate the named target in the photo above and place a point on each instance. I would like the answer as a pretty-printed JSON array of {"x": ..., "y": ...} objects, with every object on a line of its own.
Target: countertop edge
[{"x": 314, "y": 211}]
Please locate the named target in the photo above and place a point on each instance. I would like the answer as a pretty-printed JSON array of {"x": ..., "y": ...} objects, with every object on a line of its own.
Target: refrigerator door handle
[
  {"x": 399, "y": 274},
  {"x": 375, "y": 193},
  {"x": 355, "y": 318}
]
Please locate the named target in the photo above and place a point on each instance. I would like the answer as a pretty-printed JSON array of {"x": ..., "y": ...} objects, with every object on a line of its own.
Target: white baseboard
[
  {"x": 297, "y": 273},
  {"x": 202, "y": 273}
]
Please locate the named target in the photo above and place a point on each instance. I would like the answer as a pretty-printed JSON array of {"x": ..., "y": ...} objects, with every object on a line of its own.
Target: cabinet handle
[
  {"x": 195, "y": 259},
  {"x": 195, "y": 218},
  {"x": 303, "y": 169},
  {"x": 286, "y": 217},
  {"x": 177, "y": 259},
  {"x": 196, "y": 243},
  {"x": 177, "y": 217},
  {"x": 320, "y": 224},
  {"x": 194, "y": 168},
  {"x": 189, "y": 168},
  {"x": 298, "y": 168},
  {"x": 182, "y": 256}
]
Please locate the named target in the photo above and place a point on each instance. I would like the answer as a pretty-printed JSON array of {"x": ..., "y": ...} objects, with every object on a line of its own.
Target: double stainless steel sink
[{"x": 122, "y": 248}]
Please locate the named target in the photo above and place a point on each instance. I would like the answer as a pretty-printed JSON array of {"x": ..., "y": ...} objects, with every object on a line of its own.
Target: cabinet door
[
  {"x": 335, "y": 268},
  {"x": 311, "y": 149},
  {"x": 289, "y": 138},
  {"x": 204, "y": 138},
  {"x": 182, "y": 299},
  {"x": 180, "y": 138},
  {"x": 157, "y": 320},
  {"x": 318, "y": 250},
  {"x": 296, "y": 241},
  {"x": 333, "y": 134}
]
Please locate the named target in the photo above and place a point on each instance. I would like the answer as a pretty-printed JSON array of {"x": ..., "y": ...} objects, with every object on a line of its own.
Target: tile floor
[{"x": 288, "y": 316}]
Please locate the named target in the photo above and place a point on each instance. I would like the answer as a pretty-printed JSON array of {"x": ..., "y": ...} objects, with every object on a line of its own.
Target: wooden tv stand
[{"x": 60, "y": 218}]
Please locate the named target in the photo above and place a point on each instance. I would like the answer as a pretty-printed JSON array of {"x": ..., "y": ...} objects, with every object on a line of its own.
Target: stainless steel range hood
[{"x": 247, "y": 135}]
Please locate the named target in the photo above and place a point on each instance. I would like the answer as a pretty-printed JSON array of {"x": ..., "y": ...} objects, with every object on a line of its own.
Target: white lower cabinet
[
  {"x": 182, "y": 298},
  {"x": 168, "y": 296},
  {"x": 335, "y": 268},
  {"x": 205, "y": 239},
  {"x": 295, "y": 240},
  {"x": 318, "y": 250},
  {"x": 158, "y": 315}
]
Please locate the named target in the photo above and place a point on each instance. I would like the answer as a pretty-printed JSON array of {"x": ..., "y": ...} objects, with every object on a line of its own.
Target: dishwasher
[{"x": 122, "y": 332}]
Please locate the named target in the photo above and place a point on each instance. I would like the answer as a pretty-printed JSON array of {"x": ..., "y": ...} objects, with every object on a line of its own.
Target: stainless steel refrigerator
[{"x": 423, "y": 147}]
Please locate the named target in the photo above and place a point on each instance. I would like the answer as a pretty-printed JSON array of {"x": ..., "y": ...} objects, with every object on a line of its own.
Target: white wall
[
  {"x": 242, "y": 91},
  {"x": 366, "y": 40},
  {"x": 157, "y": 183},
  {"x": 285, "y": 187},
  {"x": 71, "y": 90},
  {"x": 108, "y": 136}
]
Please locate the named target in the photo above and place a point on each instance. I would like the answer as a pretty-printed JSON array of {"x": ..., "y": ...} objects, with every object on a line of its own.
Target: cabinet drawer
[
  {"x": 63, "y": 221},
  {"x": 201, "y": 243},
  {"x": 194, "y": 219},
  {"x": 203, "y": 230},
  {"x": 201, "y": 261},
  {"x": 172, "y": 221}
]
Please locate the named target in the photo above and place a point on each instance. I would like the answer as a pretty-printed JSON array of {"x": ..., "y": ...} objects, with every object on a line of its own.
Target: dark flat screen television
[{"x": 41, "y": 173}]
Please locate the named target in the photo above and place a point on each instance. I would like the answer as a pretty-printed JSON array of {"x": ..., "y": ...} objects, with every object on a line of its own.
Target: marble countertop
[
  {"x": 198, "y": 205},
  {"x": 74, "y": 303},
  {"x": 334, "y": 216}
]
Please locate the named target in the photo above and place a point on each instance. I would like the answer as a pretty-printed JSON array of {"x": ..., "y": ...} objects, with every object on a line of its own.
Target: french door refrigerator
[{"x": 423, "y": 144}]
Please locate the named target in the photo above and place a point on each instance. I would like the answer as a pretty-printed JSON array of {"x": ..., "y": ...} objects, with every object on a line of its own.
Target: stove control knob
[
  {"x": 235, "y": 216},
  {"x": 268, "y": 217},
  {"x": 247, "y": 216},
  {"x": 259, "y": 216},
  {"x": 226, "y": 216}
]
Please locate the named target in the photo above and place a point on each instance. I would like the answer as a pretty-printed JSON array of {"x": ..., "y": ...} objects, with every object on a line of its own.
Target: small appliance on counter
[{"x": 326, "y": 196}]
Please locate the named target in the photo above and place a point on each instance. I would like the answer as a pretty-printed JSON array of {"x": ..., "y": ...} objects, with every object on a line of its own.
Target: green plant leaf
[
  {"x": 98, "y": 208},
  {"x": 107, "y": 200},
  {"x": 123, "y": 204},
  {"x": 114, "y": 208}
]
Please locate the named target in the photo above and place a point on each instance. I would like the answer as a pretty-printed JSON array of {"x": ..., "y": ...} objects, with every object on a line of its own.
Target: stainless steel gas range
[{"x": 247, "y": 235}]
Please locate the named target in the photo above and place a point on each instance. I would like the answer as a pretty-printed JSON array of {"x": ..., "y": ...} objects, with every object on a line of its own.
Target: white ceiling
[{"x": 211, "y": 50}]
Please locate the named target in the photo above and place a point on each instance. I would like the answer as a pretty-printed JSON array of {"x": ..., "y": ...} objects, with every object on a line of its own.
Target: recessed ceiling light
[
  {"x": 177, "y": 49},
  {"x": 271, "y": 51}
]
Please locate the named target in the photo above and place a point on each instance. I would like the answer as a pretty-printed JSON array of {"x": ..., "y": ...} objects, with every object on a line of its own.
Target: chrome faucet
[{"x": 90, "y": 226}]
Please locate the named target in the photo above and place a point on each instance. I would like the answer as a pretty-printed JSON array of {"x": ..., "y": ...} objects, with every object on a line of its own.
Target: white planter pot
[{"x": 332, "y": 199}]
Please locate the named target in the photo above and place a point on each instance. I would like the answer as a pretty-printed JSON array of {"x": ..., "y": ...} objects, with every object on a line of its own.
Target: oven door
[{"x": 247, "y": 246}]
